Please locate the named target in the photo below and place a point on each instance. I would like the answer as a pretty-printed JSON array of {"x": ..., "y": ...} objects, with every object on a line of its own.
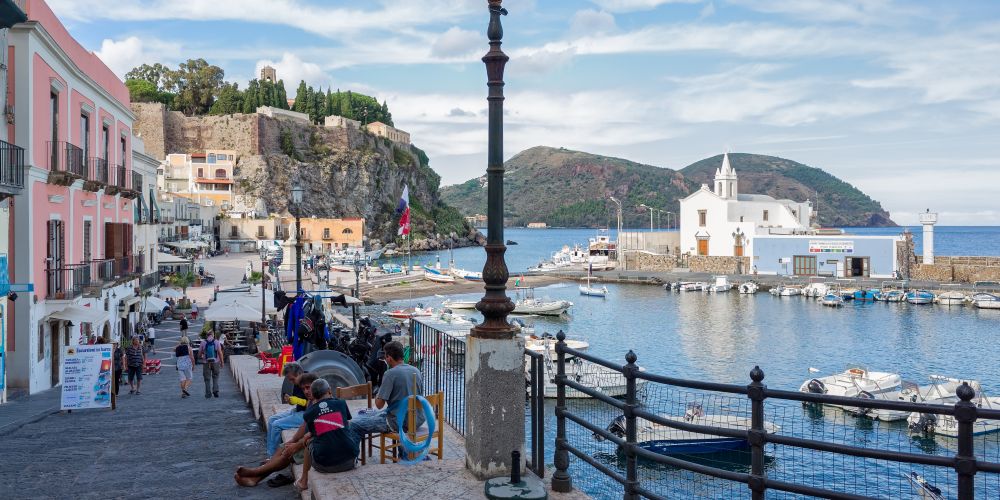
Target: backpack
[{"x": 210, "y": 348}]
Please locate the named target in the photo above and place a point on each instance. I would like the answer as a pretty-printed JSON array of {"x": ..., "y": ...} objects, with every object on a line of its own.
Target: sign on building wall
[
  {"x": 831, "y": 246},
  {"x": 86, "y": 376}
]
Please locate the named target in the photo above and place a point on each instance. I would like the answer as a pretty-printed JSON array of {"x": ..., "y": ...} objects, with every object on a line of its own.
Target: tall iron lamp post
[
  {"x": 357, "y": 287},
  {"x": 297, "y": 200},
  {"x": 494, "y": 358},
  {"x": 263, "y": 343}
]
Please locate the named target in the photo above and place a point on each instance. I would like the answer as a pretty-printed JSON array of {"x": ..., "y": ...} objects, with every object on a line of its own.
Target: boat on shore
[
  {"x": 439, "y": 278},
  {"x": 667, "y": 440},
  {"x": 466, "y": 275}
]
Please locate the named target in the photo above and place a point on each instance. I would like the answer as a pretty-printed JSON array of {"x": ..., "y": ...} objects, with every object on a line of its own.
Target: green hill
[{"x": 571, "y": 188}]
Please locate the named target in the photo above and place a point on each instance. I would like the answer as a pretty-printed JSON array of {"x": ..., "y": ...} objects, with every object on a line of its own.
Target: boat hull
[{"x": 694, "y": 446}]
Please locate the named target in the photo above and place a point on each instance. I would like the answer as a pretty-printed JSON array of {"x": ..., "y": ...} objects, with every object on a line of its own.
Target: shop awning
[
  {"x": 165, "y": 259},
  {"x": 79, "y": 314}
]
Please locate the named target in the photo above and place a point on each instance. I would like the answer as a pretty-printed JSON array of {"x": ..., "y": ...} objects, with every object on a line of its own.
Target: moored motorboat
[
  {"x": 891, "y": 296},
  {"x": 691, "y": 286},
  {"x": 815, "y": 289},
  {"x": 986, "y": 301},
  {"x": 591, "y": 375},
  {"x": 947, "y": 425},
  {"x": 667, "y": 440},
  {"x": 952, "y": 298},
  {"x": 546, "y": 344},
  {"x": 593, "y": 291},
  {"x": 790, "y": 291},
  {"x": 865, "y": 295},
  {"x": 410, "y": 312},
  {"x": 526, "y": 303},
  {"x": 852, "y": 382},
  {"x": 460, "y": 304},
  {"x": 923, "y": 488},
  {"x": 832, "y": 300},
  {"x": 919, "y": 297},
  {"x": 721, "y": 284},
  {"x": 748, "y": 288},
  {"x": 941, "y": 391}
]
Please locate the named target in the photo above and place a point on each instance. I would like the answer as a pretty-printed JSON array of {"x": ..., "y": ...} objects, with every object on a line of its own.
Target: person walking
[
  {"x": 136, "y": 361},
  {"x": 118, "y": 364},
  {"x": 213, "y": 359},
  {"x": 151, "y": 337},
  {"x": 184, "y": 325},
  {"x": 185, "y": 365}
]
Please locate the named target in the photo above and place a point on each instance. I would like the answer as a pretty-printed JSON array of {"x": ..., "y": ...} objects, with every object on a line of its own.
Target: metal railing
[
  {"x": 98, "y": 170},
  {"x": 149, "y": 281},
  {"x": 137, "y": 182},
  {"x": 11, "y": 165},
  {"x": 122, "y": 179},
  {"x": 66, "y": 157},
  {"x": 67, "y": 282},
  {"x": 138, "y": 264},
  {"x": 640, "y": 470},
  {"x": 440, "y": 356}
]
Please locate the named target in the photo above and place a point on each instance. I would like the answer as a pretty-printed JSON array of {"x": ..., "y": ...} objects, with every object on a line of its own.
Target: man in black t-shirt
[{"x": 332, "y": 448}]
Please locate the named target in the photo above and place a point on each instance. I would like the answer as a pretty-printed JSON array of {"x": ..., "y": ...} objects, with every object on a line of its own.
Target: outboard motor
[
  {"x": 925, "y": 423},
  {"x": 864, "y": 395},
  {"x": 616, "y": 427},
  {"x": 816, "y": 386}
]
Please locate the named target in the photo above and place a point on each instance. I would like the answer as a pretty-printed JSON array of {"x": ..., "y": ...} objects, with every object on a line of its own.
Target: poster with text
[{"x": 86, "y": 376}]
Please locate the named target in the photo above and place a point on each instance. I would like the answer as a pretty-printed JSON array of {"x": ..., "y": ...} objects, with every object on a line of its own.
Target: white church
[{"x": 725, "y": 222}]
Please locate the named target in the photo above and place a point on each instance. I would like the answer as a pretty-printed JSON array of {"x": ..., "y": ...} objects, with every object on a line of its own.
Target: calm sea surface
[{"x": 721, "y": 337}]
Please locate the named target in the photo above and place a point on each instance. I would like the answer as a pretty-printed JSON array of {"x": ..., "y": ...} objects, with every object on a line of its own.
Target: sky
[{"x": 899, "y": 98}]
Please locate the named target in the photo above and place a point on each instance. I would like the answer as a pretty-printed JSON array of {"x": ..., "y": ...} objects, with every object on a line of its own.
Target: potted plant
[{"x": 182, "y": 280}]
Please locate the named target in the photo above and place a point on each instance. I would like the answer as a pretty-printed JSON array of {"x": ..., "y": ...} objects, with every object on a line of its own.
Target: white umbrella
[
  {"x": 155, "y": 304},
  {"x": 252, "y": 300},
  {"x": 231, "y": 311},
  {"x": 170, "y": 293}
]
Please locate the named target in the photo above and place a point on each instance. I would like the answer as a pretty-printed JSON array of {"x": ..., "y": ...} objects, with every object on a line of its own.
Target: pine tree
[
  {"x": 266, "y": 93},
  {"x": 308, "y": 103},
  {"x": 345, "y": 106},
  {"x": 386, "y": 117},
  {"x": 300, "y": 97},
  {"x": 281, "y": 97},
  {"x": 320, "y": 103},
  {"x": 250, "y": 97}
]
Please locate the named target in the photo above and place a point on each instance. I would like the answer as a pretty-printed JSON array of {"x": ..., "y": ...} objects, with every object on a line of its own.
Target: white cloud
[
  {"x": 707, "y": 11},
  {"x": 458, "y": 42},
  {"x": 589, "y": 21},
  {"x": 123, "y": 55},
  {"x": 292, "y": 70},
  {"x": 852, "y": 11},
  {"x": 635, "y": 5}
]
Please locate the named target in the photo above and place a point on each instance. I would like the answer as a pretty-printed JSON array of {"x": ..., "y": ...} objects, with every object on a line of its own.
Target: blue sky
[{"x": 900, "y": 98}]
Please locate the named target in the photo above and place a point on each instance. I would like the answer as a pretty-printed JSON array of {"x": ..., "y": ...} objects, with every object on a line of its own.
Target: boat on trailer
[{"x": 667, "y": 440}]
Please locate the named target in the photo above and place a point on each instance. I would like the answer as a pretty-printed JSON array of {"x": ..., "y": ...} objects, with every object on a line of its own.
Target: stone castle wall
[
  {"x": 958, "y": 269},
  {"x": 719, "y": 265},
  {"x": 165, "y": 132}
]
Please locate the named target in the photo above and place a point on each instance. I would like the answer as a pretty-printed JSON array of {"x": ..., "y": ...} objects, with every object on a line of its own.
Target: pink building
[{"x": 72, "y": 224}]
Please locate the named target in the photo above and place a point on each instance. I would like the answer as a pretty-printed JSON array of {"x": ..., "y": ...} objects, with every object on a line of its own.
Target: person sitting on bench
[{"x": 332, "y": 447}]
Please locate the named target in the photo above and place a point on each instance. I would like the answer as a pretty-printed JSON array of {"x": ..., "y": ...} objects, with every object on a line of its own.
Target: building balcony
[
  {"x": 123, "y": 180},
  {"x": 67, "y": 282},
  {"x": 66, "y": 163},
  {"x": 97, "y": 174},
  {"x": 149, "y": 281},
  {"x": 11, "y": 169}
]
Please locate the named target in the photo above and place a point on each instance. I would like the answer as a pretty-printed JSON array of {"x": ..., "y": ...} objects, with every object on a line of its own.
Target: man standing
[
  {"x": 184, "y": 325},
  {"x": 151, "y": 337},
  {"x": 398, "y": 383},
  {"x": 136, "y": 361},
  {"x": 212, "y": 356}
]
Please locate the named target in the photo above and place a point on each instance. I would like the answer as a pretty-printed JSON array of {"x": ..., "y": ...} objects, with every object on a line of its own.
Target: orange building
[{"x": 325, "y": 235}]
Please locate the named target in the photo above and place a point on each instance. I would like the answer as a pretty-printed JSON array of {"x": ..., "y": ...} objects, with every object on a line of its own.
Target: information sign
[
  {"x": 831, "y": 246},
  {"x": 86, "y": 376}
]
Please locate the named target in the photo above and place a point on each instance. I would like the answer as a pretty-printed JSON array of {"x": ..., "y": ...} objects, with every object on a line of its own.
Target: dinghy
[
  {"x": 410, "y": 312},
  {"x": 528, "y": 304},
  {"x": 593, "y": 291},
  {"x": 460, "y": 304},
  {"x": 439, "y": 278},
  {"x": 832, "y": 300}
]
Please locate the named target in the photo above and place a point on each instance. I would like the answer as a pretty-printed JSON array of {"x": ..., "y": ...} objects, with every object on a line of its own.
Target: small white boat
[
  {"x": 952, "y": 299},
  {"x": 460, "y": 304},
  {"x": 986, "y": 301},
  {"x": 546, "y": 344},
  {"x": 790, "y": 291},
  {"x": 528, "y": 304},
  {"x": 669, "y": 441},
  {"x": 941, "y": 391},
  {"x": 691, "y": 286},
  {"x": 439, "y": 278},
  {"x": 919, "y": 297},
  {"x": 721, "y": 284},
  {"x": 605, "y": 380},
  {"x": 410, "y": 312},
  {"x": 748, "y": 288},
  {"x": 924, "y": 489},
  {"x": 832, "y": 300},
  {"x": 815, "y": 289},
  {"x": 466, "y": 275},
  {"x": 947, "y": 425},
  {"x": 593, "y": 291},
  {"x": 852, "y": 382}
]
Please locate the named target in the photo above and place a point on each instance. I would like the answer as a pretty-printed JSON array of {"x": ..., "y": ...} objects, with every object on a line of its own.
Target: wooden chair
[
  {"x": 354, "y": 392},
  {"x": 389, "y": 443}
]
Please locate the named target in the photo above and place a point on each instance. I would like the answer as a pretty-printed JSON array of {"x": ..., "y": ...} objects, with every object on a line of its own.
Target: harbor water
[{"x": 721, "y": 337}]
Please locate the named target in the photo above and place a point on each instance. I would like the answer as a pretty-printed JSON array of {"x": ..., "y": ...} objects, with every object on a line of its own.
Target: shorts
[
  {"x": 331, "y": 469},
  {"x": 151, "y": 340},
  {"x": 184, "y": 368},
  {"x": 135, "y": 372}
]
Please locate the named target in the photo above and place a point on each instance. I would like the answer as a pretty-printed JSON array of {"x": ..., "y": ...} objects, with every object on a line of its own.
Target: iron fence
[
  {"x": 766, "y": 440},
  {"x": 440, "y": 355},
  {"x": 149, "y": 281},
  {"x": 11, "y": 165}
]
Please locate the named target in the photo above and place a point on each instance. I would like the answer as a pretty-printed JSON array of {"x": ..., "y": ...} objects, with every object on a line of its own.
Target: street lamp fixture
[{"x": 297, "y": 192}]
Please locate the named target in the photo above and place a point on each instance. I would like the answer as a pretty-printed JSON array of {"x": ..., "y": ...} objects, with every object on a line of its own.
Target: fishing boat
[
  {"x": 748, "y": 288},
  {"x": 952, "y": 298},
  {"x": 924, "y": 489},
  {"x": 721, "y": 284},
  {"x": 852, "y": 382},
  {"x": 832, "y": 300},
  {"x": 439, "y": 278},
  {"x": 410, "y": 312},
  {"x": 460, "y": 304},
  {"x": 667, "y": 440},
  {"x": 865, "y": 295},
  {"x": 947, "y": 425},
  {"x": 941, "y": 391},
  {"x": 848, "y": 293},
  {"x": 528, "y": 304},
  {"x": 985, "y": 301},
  {"x": 891, "y": 296},
  {"x": 919, "y": 297}
]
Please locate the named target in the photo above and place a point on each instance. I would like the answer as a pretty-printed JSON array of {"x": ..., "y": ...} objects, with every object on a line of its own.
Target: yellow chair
[
  {"x": 358, "y": 391},
  {"x": 389, "y": 442}
]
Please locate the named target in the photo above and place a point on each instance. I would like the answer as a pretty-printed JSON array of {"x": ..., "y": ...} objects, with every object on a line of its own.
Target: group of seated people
[{"x": 328, "y": 437}]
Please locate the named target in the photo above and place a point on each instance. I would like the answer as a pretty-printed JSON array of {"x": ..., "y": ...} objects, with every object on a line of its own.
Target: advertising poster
[
  {"x": 831, "y": 246},
  {"x": 86, "y": 376}
]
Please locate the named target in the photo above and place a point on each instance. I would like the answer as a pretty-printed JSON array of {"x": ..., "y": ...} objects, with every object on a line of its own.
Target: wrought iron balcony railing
[
  {"x": 11, "y": 166},
  {"x": 65, "y": 157}
]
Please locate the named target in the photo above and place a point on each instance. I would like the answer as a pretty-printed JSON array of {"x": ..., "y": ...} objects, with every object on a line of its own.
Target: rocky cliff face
[{"x": 345, "y": 172}]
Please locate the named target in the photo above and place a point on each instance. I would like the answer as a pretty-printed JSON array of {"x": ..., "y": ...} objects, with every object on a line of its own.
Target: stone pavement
[{"x": 156, "y": 445}]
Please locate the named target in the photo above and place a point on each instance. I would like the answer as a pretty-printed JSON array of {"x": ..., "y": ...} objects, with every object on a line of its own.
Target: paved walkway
[{"x": 156, "y": 445}]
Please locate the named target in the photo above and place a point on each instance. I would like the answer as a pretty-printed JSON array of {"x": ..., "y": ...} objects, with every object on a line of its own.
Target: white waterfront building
[{"x": 724, "y": 222}]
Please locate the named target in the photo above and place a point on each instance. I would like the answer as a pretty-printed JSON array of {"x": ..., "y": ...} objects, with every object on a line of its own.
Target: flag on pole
[{"x": 403, "y": 211}]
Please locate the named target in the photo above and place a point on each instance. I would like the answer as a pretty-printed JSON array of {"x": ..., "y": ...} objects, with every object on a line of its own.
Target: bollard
[{"x": 515, "y": 467}]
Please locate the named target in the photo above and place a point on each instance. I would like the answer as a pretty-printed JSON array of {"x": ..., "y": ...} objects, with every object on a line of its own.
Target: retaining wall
[
  {"x": 958, "y": 269},
  {"x": 719, "y": 265}
]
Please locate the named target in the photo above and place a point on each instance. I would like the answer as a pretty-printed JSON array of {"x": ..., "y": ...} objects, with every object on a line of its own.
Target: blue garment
[
  {"x": 292, "y": 326},
  {"x": 279, "y": 422}
]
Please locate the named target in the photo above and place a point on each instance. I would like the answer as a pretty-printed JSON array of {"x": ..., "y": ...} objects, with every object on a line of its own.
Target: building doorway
[
  {"x": 857, "y": 267},
  {"x": 703, "y": 246},
  {"x": 55, "y": 345}
]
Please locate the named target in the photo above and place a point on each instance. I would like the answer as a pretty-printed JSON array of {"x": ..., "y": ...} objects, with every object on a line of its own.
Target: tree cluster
[
  {"x": 191, "y": 88},
  {"x": 352, "y": 105}
]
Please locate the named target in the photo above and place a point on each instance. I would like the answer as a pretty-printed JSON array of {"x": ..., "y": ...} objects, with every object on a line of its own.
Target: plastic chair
[
  {"x": 353, "y": 392},
  {"x": 394, "y": 447},
  {"x": 268, "y": 363},
  {"x": 286, "y": 356}
]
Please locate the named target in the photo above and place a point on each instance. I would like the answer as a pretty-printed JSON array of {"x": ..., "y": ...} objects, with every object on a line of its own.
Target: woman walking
[
  {"x": 185, "y": 365},
  {"x": 136, "y": 361}
]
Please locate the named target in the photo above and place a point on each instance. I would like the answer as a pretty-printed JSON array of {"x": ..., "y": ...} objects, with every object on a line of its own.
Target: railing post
[
  {"x": 757, "y": 435},
  {"x": 965, "y": 459},
  {"x": 631, "y": 403},
  {"x": 561, "y": 481}
]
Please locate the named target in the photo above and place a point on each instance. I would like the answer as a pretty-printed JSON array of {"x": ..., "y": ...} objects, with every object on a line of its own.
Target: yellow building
[
  {"x": 393, "y": 134},
  {"x": 243, "y": 235},
  {"x": 206, "y": 178},
  {"x": 325, "y": 235}
]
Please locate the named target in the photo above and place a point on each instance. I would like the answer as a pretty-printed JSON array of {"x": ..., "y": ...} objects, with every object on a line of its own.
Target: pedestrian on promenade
[
  {"x": 151, "y": 337},
  {"x": 213, "y": 359},
  {"x": 293, "y": 418},
  {"x": 398, "y": 383},
  {"x": 291, "y": 372},
  {"x": 118, "y": 363},
  {"x": 136, "y": 360},
  {"x": 184, "y": 325},
  {"x": 185, "y": 365}
]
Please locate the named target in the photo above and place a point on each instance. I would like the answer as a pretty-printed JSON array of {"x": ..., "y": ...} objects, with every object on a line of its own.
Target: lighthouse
[{"x": 928, "y": 219}]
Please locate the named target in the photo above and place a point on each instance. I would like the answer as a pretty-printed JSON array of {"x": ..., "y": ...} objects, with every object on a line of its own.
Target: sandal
[{"x": 279, "y": 481}]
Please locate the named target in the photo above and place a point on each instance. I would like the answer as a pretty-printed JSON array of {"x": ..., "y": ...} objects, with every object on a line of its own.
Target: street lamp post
[
  {"x": 263, "y": 343},
  {"x": 650, "y": 209},
  {"x": 357, "y": 287},
  {"x": 297, "y": 200},
  {"x": 618, "y": 236}
]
